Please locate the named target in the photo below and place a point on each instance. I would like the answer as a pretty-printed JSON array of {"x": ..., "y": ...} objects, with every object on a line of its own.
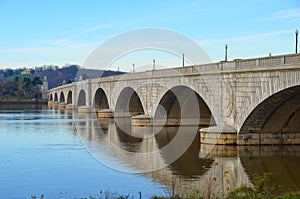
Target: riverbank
[
  {"x": 108, "y": 195},
  {"x": 26, "y": 104}
]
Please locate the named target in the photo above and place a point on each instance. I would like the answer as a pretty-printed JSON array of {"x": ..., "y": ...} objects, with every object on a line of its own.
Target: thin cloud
[
  {"x": 23, "y": 50},
  {"x": 284, "y": 14},
  {"x": 246, "y": 38},
  {"x": 50, "y": 50},
  {"x": 64, "y": 40}
]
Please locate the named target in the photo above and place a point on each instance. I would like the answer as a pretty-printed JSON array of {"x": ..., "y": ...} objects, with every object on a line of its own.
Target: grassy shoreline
[{"x": 108, "y": 195}]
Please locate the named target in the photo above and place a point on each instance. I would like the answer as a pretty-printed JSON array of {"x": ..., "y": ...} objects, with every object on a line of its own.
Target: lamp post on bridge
[
  {"x": 226, "y": 46},
  {"x": 296, "y": 32},
  {"x": 133, "y": 68},
  {"x": 182, "y": 59},
  {"x": 153, "y": 64}
]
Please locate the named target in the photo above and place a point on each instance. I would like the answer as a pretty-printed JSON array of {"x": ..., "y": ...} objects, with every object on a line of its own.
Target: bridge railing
[
  {"x": 293, "y": 59},
  {"x": 237, "y": 64},
  {"x": 271, "y": 61}
]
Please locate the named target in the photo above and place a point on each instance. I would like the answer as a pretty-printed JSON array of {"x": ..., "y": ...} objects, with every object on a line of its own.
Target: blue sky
[{"x": 34, "y": 33}]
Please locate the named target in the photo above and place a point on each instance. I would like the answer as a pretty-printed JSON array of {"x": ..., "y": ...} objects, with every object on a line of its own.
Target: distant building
[
  {"x": 44, "y": 88},
  {"x": 26, "y": 72}
]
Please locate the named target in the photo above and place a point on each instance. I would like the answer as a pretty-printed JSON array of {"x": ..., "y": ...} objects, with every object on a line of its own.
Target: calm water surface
[
  {"x": 41, "y": 153},
  {"x": 65, "y": 155}
]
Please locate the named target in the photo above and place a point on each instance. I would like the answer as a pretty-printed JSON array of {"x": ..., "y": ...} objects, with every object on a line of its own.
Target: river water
[{"x": 69, "y": 155}]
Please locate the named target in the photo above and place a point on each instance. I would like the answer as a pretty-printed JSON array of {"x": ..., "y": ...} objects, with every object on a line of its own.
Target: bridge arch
[
  {"x": 277, "y": 114},
  {"x": 62, "y": 97},
  {"x": 51, "y": 97},
  {"x": 129, "y": 103},
  {"x": 55, "y": 97},
  {"x": 182, "y": 102},
  {"x": 81, "y": 98},
  {"x": 69, "y": 97},
  {"x": 100, "y": 100}
]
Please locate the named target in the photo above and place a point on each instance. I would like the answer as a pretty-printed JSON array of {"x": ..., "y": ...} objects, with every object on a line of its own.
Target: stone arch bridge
[{"x": 244, "y": 101}]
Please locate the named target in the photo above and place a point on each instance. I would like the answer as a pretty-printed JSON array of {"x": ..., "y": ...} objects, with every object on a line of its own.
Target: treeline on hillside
[
  {"x": 56, "y": 76},
  {"x": 20, "y": 88}
]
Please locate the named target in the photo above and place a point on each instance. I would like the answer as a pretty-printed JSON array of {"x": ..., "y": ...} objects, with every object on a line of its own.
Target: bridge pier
[
  {"x": 85, "y": 109},
  {"x": 55, "y": 104},
  {"x": 61, "y": 105},
  {"x": 218, "y": 135},
  {"x": 105, "y": 113},
  {"x": 263, "y": 138},
  {"x": 69, "y": 107},
  {"x": 141, "y": 120},
  {"x": 50, "y": 103}
]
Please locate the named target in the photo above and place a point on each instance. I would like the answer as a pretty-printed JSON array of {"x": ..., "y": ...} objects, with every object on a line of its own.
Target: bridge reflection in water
[{"x": 118, "y": 144}]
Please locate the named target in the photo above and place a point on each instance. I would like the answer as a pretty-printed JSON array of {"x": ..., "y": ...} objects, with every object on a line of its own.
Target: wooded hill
[{"x": 56, "y": 76}]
